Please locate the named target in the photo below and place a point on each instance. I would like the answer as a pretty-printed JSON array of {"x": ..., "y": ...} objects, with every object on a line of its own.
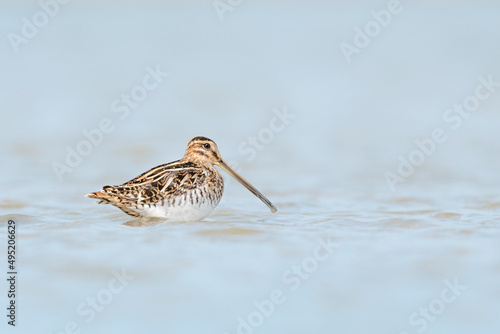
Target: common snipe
[{"x": 188, "y": 189}]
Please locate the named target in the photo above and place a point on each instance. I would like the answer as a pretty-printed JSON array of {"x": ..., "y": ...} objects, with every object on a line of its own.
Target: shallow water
[
  {"x": 345, "y": 253},
  {"x": 390, "y": 257}
]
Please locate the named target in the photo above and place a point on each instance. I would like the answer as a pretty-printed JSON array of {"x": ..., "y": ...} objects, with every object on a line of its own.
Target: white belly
[
  {"x": 182, "y": 208},
  {"x": 187, "y": 212}
]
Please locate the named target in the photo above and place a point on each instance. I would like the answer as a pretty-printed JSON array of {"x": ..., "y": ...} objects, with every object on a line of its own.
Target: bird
[{"x": 188, "y": 189}]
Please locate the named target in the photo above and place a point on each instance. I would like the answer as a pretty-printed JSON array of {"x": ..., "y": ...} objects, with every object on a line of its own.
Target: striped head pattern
[{"x": 202, "y": 150}]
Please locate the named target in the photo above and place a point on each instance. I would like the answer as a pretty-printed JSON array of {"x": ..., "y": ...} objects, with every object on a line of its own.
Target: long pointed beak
[{"x": 222, "y": 164}]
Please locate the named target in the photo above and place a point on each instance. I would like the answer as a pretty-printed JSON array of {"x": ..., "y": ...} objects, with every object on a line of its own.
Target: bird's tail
[{"x": 102, "y": 197}]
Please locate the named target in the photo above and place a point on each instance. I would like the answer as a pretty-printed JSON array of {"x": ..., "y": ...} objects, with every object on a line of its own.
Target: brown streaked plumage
[{"x": 188, "y": 189}]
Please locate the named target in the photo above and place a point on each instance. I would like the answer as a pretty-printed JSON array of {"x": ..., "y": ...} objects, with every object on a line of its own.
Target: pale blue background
[{"x": 324, "y": 171}]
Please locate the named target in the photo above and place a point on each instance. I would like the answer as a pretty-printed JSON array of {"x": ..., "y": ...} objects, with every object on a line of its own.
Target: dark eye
[{"x": 206, "y": 146}]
